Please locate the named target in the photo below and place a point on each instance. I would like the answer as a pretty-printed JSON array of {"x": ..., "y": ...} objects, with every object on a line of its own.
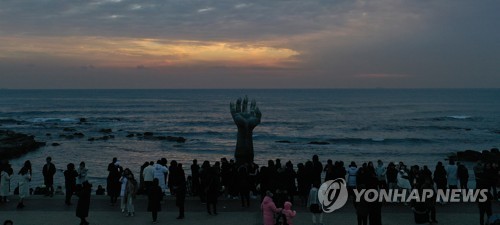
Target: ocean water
[{"x": 414, "y": 126}]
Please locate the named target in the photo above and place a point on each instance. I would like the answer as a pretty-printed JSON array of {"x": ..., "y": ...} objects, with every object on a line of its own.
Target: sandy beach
[{"x": 51, "y": 211}]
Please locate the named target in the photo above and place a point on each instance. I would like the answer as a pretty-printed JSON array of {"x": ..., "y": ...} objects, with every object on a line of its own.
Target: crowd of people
[{"x": 277, "y": 185}]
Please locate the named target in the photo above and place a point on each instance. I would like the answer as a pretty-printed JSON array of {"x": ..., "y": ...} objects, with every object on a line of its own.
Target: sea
[{"x": 415, "y": 126}]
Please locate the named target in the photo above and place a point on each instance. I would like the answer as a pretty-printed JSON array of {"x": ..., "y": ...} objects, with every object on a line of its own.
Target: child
[
  {"x": 289, "y": 213},
  {"x": 314, "y": 205}
]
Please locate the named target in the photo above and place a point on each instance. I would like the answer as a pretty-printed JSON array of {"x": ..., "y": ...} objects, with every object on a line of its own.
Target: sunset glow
[{"x": 130, "y": 52}]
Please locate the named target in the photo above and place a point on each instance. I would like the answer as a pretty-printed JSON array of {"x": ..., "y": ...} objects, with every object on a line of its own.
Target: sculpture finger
[
  {"x": 252, "y": 105},
  {"x": 238, "y": 105},
  {"x": 232, "y": 108},
  {"x": 258, "y": 114},
  {"x": 244, "y": 106}
]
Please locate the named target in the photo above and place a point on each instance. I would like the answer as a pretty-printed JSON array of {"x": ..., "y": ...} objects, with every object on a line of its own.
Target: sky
[{"x": 50, "y": 44}]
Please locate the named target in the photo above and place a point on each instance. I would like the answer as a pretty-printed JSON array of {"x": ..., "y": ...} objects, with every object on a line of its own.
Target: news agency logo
[{"x": 333, "y": 195}]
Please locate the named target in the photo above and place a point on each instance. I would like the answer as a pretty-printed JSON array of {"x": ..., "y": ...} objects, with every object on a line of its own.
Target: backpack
[{"x": 281, "y": 218}]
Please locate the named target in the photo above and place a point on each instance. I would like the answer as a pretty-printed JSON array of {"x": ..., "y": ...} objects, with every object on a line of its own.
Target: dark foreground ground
[{"x": 41, "y": 210}]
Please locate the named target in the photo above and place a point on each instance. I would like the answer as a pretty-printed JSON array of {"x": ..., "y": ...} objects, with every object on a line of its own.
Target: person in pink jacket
[
  {"x": 269, "y": 209},
  {"x": 289, "y": 213}
]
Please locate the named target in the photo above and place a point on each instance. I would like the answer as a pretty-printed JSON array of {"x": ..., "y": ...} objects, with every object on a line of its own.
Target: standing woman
[
  {"x": 5, "y": 183},
  {"x": 155, "y": 195},
  {"x": 212, "y": 189},
  {"x": 70, "y": 182},
  {"x": 82, "y": 176},
  {"x": 269, "y": 209},
  {"x": 123, "y": 181},
  {"x": 130, "y": 193},
  {"x": 82, "y": 208},
  {"x": 24, "y": 183},
  {"x": 113, "y": 180}
]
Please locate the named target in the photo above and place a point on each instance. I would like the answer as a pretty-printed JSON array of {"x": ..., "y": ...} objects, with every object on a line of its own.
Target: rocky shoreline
[
  {"x": 14, "y": 144},
  {"x": 492, "y": 155}
]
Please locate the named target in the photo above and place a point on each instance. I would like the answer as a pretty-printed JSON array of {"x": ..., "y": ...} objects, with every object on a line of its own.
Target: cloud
[
  {"x": 382, "y": 75},
  {"x": 121, "y": 52},
  {"x": 206, "y": 10},
  {"x": 241, "y": 6},
  {"x": 321, "y": 42}
]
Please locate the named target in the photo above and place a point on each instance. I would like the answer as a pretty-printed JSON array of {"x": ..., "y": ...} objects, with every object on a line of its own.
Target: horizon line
[{"x": 289, "y": 88}]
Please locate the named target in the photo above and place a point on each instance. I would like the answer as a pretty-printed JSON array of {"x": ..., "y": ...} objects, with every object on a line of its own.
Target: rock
[
  {"x": 495, "y": 151},
  {"x": 172, "y": 138},
  {"x": 14, "y": 144},
  {"x": 103, "y": 138},
  {"x": 55, "y": 144},
  {"x": 130, "y": 135},
  {"x": 148, "y": 134},
  {"x": 79, "y": 135},
  {"x": 469, "y": 155},
  {"x": 283, "y": 141},
  {"x": 83, "y": 120},
  {"x": 139, "y": 135},
  {"x": 106, "y": 130},
  {"x": 176, "y": 139},
  {"x": 70, "y": 137},
  {"x": 48, "y": 134},
  {"x": 68, "y": 129},
  {"x": 319, "y": 143}
]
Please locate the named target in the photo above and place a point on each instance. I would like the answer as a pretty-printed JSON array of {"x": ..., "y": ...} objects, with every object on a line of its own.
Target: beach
[{"x": 51, "y": 211}]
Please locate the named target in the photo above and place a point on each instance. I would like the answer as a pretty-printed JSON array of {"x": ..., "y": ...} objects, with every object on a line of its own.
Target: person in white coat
[
  {"x": 381, "y": 172},
  {"x": 404, "y": 182},
  {"x": 6, "y": 175},
  {"x": 160, "y": 172},
  {"x": 82, "y": 174},
  {"x": 24, "y": 183},
  {"x": 452, "y": 175},
  {"x": 352, "y": 173},
  {"x": 148, "y": 174}
]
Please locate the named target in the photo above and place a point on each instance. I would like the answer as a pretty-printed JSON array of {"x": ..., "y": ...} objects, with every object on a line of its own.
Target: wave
[
  {"x": 9, "y": 121},
  {"x": 343, "y": 141},
  {"x": 459, "y": 117},
  {"x": 379, "y": 141},
  {"x": 53, "y": 120},
  {"x": 448, "y": 118}
]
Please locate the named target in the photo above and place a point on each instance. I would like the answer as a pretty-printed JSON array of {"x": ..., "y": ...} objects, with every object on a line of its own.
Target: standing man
[
  {"x": 49, "y": 169},
  {"x": 317, "y": 169},
  {"x": 195, "y": 174},
  {"x": 180, "y": 190}
]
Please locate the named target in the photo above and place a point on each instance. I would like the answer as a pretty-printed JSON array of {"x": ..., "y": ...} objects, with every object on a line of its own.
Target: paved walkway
[{"x": 52, "y": 211}]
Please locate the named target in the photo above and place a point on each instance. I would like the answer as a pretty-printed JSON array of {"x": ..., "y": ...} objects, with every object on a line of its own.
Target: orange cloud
[{"x": 129, "y": 52}]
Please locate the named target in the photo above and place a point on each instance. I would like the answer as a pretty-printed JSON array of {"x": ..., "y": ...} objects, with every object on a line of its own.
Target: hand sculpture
[{"x": 246, "y": 121}]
